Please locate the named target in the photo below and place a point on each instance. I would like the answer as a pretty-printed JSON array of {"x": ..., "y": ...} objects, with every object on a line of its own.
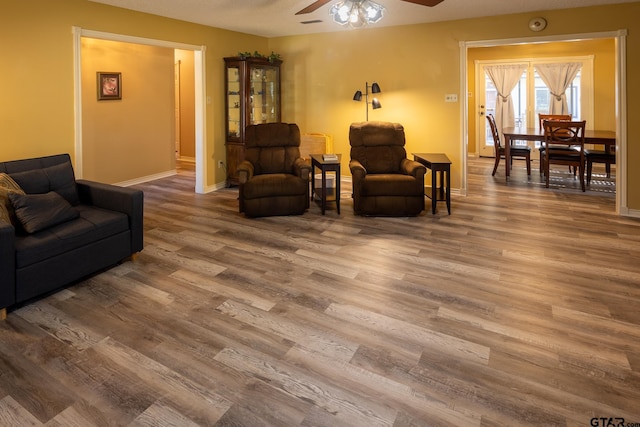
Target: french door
[{"x": 531, "y": 97}]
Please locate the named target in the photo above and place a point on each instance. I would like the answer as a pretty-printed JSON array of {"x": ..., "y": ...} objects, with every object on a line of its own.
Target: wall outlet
[
  {"x": 220, "y": 164},
  {"x": 451, "y": 97}
]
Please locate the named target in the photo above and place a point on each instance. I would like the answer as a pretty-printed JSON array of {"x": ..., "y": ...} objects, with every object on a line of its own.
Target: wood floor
[{"x": 521, "y": 308}]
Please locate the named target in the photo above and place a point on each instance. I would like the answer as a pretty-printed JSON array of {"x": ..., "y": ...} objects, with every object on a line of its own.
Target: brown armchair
[
  {"x": 274, "y": 179},
  {"x": 385, "y": 182}
]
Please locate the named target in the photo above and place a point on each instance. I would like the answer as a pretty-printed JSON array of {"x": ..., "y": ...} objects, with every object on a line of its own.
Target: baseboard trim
[{"x": 147, "y": 178}]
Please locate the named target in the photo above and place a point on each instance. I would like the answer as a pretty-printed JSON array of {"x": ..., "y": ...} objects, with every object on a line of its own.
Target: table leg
[
  {"x": 338, "y": 191},
  {"x": 324, "y": 190},
  {"x": 507, "y": 156},
  {"x": 448, "y": 173},
  {"x": 313, "y": 181},
  {"x": 434, "y": 191}
]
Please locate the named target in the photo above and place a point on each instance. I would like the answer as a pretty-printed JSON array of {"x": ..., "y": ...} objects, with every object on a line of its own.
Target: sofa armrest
[
  {"x": 7, "y": 264},
  {"x": 302, "y": 168},
  {"x": 358, "y": 170},
  {"x": 413, "y": 168},
  {"x": 120, "y": 199},
  {"x": 245, "y": 171}
]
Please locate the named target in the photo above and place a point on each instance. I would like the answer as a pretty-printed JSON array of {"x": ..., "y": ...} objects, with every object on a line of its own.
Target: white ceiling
[{"x": 273, "y": 18}]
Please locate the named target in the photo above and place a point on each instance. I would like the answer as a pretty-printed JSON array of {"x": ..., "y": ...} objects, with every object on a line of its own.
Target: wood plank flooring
[{"x": 520, "y": 308}]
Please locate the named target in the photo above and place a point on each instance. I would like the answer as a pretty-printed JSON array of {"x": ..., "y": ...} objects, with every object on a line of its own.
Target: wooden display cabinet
[{"x": 252, "y": 88}]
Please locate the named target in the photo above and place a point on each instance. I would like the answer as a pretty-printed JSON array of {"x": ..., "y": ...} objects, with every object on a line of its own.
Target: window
[{"x": 531, "y": 97}]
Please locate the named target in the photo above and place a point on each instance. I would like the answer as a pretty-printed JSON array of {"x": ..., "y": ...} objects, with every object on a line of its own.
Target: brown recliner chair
[
  {"x": 274, "y": 179},
  {"x": 385, "y": 182}
]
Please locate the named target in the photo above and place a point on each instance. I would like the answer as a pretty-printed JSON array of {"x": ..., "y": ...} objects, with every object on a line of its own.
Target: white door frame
[
  {"x": 200, "y": 93},
  {"x": 620, "y": 37}
]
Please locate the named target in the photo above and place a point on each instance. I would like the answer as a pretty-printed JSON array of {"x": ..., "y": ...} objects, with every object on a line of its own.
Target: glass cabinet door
[
  {"x": 264, "y": 94},
  {"x": 252, "y": 96},
  {"x": 234, "y": 101}
]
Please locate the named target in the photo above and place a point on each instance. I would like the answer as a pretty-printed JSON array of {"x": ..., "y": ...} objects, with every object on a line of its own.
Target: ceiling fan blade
[
  {"x": 429, "y": 3},
  {"x": 313, "y": 6}
]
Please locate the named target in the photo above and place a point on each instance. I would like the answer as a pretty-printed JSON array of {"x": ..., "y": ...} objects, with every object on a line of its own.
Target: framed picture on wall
[{"x": 109, "y": 86}]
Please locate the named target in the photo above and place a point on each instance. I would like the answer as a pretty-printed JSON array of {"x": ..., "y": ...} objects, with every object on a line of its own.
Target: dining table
[{"x": 595, "y": 137}]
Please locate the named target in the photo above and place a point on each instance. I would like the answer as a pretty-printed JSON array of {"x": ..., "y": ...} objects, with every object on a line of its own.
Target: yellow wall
[
  {"x": 36, "y": 53},
  {"x": 134, "y": 136},
  {"x": 603, "y": 51},
  {"x": 415, "y": 65}
]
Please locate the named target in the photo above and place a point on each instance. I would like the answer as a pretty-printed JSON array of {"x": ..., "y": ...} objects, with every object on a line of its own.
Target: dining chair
[
  {"x": 515, "y": 151},
  {"x": 606, "y": 156},
  {"x": 541, "y": 119},
  {"x": 564, "y": 142}
]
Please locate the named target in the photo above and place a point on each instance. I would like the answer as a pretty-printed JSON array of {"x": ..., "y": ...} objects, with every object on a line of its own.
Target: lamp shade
[
  {"x": 357, "y": 96},
  {"x": 375, "y": 88},
  {"x": 375, "y": 103}
]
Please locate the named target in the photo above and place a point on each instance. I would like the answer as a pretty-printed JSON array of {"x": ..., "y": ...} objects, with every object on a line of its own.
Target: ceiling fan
[{"x": 319, "y": 3}]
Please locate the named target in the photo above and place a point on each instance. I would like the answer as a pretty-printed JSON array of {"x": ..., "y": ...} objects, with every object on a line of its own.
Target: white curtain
[
  {"x": 558, "y": 77},
  {"x": 505, "y": 78}
]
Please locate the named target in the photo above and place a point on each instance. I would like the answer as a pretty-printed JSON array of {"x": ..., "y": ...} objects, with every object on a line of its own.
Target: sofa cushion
[
  {"x": 390, "y": 185},
  {"x": 58, "y": 178},
  {"x": 8, "y": 185},
  {"x": 39, "y": 211},
  {"x": 92, "y": 225},
  {"x": 275, "y": 185}
]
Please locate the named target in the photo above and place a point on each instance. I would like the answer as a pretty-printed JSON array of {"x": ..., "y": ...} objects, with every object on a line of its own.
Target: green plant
[{"x": 257, "y": 54}]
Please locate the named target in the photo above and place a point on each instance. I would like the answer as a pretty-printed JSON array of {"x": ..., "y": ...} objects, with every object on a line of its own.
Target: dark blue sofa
[{"x": 102, "y": 226}]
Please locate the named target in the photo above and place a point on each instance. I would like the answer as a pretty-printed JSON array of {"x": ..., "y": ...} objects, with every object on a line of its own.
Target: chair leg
[
  {"x": 589, "y": 169},
  {"x": 495, "y": 166},
  {"x": 528, "y": 160},
  {"x": 546, "y": 174},
  {"x": 607, "y": 168},
  {"x": 582, "y": 177}
]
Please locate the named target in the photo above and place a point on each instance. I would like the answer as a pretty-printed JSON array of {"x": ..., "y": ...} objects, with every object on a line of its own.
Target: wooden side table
[
  {"x": 440, "y": 164},
  {"x": 326, "y": 194}
]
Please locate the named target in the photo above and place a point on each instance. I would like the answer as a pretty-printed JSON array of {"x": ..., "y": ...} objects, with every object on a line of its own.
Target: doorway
[
  {"x": 618, "y": 93},
  {"x": 199, "y": 95},
  {"x": 185, "y": 136}
]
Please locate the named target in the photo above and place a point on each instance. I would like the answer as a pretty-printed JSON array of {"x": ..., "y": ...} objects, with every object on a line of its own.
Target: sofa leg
[
  {"x": 3, "y": 314},
  {"x": 132, "y": 257}
]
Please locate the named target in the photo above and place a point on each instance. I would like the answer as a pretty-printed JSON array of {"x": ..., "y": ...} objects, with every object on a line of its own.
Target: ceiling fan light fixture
[{"x": 356, "y": 13}]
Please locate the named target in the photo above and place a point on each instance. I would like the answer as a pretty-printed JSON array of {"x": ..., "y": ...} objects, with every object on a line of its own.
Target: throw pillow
[
  {"x": 39, "y": 211},
  {"x": 8, "y": 185}
]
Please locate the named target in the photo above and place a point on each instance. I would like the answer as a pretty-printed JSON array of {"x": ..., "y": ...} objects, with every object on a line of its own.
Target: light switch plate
[{"x": 451, "y": 97}]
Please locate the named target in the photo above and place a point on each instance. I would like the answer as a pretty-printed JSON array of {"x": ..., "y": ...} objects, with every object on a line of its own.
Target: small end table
[
  {"x": 437, "y": 162},
  {"x": 324, "y": 193}
]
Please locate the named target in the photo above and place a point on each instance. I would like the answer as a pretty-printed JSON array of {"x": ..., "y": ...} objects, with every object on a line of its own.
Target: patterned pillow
[
  {"x": 8, "y": 185},
  {"x": 39, "y": 211}
]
